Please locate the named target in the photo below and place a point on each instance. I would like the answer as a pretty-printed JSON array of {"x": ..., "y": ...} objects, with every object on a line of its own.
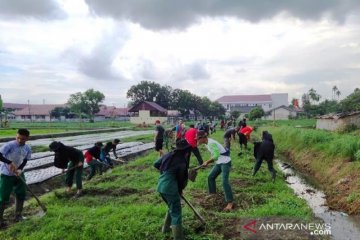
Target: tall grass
[{"x": 330, "y": 143}]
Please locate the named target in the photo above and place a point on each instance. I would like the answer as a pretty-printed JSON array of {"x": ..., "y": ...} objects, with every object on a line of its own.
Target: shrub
[{"x": 357, "y": 155}]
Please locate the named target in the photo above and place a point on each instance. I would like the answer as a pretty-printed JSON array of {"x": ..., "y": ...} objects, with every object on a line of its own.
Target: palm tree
[
  {"x": 334, "y": 89},
  {"x": 338, "y": 93},
  {"x": 314, "y": 95}
]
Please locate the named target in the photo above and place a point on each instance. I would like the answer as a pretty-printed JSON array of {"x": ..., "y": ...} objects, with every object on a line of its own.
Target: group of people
[
  {"x": 174, "y": 166},
  {"x": 72, "y": 159},
  {"x": 244, "y": 133},
  {"x": 15, "y": 154}
]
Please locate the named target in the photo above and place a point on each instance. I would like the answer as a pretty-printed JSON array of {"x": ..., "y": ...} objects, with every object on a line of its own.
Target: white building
[
  {"x": 281, "y": 113},
  {"x": 244, "y": 103}
]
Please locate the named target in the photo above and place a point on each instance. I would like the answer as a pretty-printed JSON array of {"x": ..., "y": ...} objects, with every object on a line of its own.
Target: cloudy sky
[{"x": 50, "y": 49}]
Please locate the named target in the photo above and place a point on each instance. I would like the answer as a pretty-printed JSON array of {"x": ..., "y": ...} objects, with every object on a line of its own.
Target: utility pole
[{"x": 29, "y": 110}]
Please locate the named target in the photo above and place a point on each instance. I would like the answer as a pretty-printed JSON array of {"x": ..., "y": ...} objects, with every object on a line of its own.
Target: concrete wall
[
  {"x": 144, "y": 116},
  {"x": 336, "y": 124},
  {"x": 280, "y": 114},
  {"x": 327, "y": 124},
  {"x": 279, "y": 99}
]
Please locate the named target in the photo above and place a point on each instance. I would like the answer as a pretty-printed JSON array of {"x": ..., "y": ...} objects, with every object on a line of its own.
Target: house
[
  {"x": 281, "y": 113},
  {"x": 338, "y": 121},
  {"x": 245, "y": 103},
  {"x": 35, "y": 112},
  {"x": 147, "y": 112},
  {"x": 111, "y": 112}
]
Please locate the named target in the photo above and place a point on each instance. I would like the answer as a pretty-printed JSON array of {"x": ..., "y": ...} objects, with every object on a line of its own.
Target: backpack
[{"x": 165, "y": 162}]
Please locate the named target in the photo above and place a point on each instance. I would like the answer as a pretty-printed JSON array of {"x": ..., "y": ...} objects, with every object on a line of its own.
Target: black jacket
[
  {"x": 265, "y": 150},
  {"x": 95, "y": 152},
  {"x": 65, "y": 154}
]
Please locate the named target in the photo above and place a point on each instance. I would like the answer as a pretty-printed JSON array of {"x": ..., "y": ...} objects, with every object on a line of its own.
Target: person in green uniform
[
  {"x": 173, "y": 168},
  {"x": 72, "y": 159},
  {"x": 13, "y": 158}
]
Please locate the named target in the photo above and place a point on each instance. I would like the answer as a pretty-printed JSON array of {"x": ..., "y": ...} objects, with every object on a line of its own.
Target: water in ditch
[{"x": 343, "y": 227}]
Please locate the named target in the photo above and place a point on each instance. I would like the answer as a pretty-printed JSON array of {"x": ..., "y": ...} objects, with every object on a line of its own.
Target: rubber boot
[
  {"x": 177, "y": 232},
  {"x": 273, "y": 175},
  {"x": 167, "y": 221},
  {"x": 2, "y": 220},
  {"x": 19, "y": 204}
]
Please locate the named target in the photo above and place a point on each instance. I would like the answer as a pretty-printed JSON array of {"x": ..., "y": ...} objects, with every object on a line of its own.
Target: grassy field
[
  {"x": 37, "y": 128},
  {"x": 125, "y": 205},
  {"x": 71, "y": 125}
]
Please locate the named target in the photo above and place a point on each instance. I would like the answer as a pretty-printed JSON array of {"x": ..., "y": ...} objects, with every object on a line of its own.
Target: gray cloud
[
  {"x": 148, "y": 70},
  {"x": 98, "y": 64},
  {"x": 165, "y": 14},
  {"x": 46, "y": 9},
  {"x": 197, "y": 70}
]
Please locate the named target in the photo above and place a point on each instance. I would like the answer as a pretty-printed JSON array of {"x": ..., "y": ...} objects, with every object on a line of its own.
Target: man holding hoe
[
  {"x": 13, "y": 158},
  {"x": 173, "y": 168},
  {"x": 222, "y": 165}
]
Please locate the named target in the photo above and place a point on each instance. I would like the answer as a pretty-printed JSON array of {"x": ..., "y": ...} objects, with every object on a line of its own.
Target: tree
[
  {"x": 334, "y": 89},
  {"x": 235, "y": 114},
  {"x": 351, "y": 102},
  {"x": 338, "y": 93},
  {"x": 256, "y": 113},
  {"x": 183, "y": 101},
  {"x": 305, "y": 100},
  {"x": 313, "y": 95},
  {"x": 60, "y": 111},
  {"x": 87, "y": 103},
  {"x": 150, "y": 91},
  {"x": 1, "y": 104}
]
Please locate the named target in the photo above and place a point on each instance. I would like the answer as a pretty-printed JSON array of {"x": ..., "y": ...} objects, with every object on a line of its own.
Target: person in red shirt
[
  {"x": 191, "y": 138},
  {"x": 244, "y": 136}
]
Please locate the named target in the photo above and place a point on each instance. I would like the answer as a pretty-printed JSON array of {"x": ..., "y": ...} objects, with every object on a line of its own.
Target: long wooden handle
[
  {"x": 202, "y": 220},
  {"x": 33, "y": 194},
  {"x": 196, "y": 168}
]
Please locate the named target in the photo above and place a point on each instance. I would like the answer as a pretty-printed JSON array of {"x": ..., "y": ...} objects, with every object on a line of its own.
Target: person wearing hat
[
  {"x": 13, "y": 158},
  {"x": 92, "y": 158},
  {"x": 159, "y": 137},
  {"x": 72, "y": 159},
  {"x": 222, "y": 165},
  {"x": 173, "y": 168}
]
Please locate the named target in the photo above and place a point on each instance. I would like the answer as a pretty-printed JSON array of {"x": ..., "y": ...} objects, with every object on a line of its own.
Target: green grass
[
  {"x": 127, "y": 206},
  {"x": 37, "y": 128},
  {"x": 72, "y": 125},
  {"x": 331, "y": 144},
  {"x": 12, "y": 132}
]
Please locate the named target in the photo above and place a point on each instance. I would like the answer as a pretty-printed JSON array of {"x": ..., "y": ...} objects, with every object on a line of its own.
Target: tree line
[
  {"x": 174, "y": 99},
  {"x": 312, "y": 105},
  {"x": 87, "y": 104}
]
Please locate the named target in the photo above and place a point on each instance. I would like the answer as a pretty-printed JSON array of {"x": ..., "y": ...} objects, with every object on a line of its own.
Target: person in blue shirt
[{"x": 13, "y": 158}]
